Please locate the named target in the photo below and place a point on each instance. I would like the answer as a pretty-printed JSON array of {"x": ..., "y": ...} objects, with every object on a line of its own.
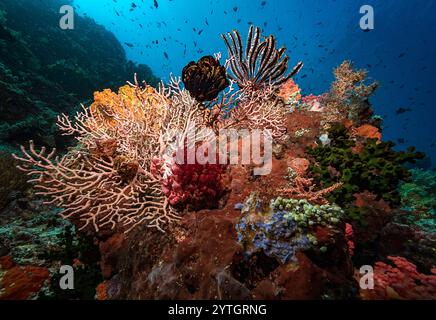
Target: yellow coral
[{"x": 144, "y": 105}]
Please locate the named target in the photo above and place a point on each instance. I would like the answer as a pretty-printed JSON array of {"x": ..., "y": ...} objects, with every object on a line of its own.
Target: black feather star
[{"x": 205, "y": 79}]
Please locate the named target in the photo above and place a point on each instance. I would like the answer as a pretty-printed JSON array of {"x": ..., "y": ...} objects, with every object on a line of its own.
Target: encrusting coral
[{"x": 286, "y": 227}]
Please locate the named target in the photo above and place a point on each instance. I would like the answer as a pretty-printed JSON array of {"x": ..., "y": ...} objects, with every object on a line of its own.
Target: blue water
[{"x": 400, "y": 52}]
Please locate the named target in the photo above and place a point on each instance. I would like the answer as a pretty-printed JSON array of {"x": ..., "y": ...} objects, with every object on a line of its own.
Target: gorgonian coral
[
  {"x": 259, "y": 109},
  {"x": 261, "y": 63},
  {"x": 106, "y": 179}
]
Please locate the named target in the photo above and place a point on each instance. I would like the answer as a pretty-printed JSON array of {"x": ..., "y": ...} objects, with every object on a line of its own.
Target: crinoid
[
  {"x": 205, "y": 79},
  {"x": 262, "y": 62}
]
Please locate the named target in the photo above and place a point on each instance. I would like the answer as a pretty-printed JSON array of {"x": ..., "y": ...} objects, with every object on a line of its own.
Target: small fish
[
  {"x": 166, "y": 55},
  {"x": 402, "y": 110},
  {"x": 156, "y": 5},
  {"x": 129, "y": 44}
]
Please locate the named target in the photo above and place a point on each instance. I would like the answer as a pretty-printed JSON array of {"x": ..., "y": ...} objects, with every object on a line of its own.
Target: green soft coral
[{"x": 377, "y": 168}]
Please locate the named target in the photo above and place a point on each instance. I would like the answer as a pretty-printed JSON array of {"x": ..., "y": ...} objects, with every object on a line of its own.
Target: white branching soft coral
[
  {"x": 98, "y": 191},
  {"x": 106, "y": 180}
]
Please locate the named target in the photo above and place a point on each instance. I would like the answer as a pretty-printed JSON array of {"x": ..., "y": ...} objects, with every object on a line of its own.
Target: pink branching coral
[
  {"x": 98, "y": 191},
  {"x": 401, "y": 281},
  {"x": 313, "y": 103},
  {"x": 259, "y": 109},
  {"x": 304, "y": 188}
]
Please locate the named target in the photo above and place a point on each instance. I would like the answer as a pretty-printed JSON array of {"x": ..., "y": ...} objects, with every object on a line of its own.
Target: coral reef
[
  {"x": 418, "y": 199},
  {"x": 123, "y": 172},
  {"x": 288, "y": 226},
  {"x": 106, "y": 180},
  {"x": 45, "y": 71},
  {"x": 34, "y": 242},
  {"x": 337, "y": 196},
  {"x": 401, "y": 281},
  {"x": 376, "y": 167}
]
